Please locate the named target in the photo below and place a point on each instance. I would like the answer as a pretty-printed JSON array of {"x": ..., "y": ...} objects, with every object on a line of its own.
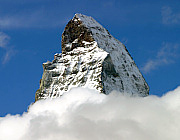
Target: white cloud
[
  {"x": 165, "y": 56},
  {"x": 168, "y": 17},
  {"x": 83, "y": 114}
]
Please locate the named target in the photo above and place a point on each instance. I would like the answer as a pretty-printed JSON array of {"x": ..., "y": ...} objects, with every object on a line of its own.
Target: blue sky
[{"x": 30, "y": 34}]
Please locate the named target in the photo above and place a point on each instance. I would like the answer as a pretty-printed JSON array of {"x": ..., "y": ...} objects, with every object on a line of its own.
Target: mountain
[{"x": 91, "y": 57}]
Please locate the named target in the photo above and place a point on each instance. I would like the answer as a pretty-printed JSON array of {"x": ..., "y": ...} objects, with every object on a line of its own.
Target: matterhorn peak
[{"x": 91, "y": 57}]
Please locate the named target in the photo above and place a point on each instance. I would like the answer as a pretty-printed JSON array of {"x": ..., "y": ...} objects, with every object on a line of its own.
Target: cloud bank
[{"x": 83, "y": 114}]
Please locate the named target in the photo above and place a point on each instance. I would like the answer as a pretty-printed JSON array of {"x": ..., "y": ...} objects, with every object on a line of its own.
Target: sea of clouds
[{"x": 84, "y": 114}]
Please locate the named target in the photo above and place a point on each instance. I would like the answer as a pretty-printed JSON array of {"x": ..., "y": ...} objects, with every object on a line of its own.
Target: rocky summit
[{"x": 91, "y": 57}]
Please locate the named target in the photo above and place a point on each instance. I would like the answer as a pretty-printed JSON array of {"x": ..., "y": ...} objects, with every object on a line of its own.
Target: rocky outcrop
[{"x": 92, "y": 58}]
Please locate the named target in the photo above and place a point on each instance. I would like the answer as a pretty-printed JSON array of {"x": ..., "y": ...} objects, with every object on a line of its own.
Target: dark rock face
[
  {"x": 108, "y": 67},
  {"x": 109, "y": 72},
  {"x": 75, "y": 33},
  {"x": 92, "y": 58}
]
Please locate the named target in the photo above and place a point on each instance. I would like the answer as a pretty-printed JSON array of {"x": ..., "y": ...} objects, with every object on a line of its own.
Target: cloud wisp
[
  {"x": 83, "y": 114},
  {"x": 168, "y": 17},
  {"x": 165, "y": 56},
  {"x": 4, "y": 44},
  {"x": 4, "y": 40},
  {"x": 32, "y": 19}
]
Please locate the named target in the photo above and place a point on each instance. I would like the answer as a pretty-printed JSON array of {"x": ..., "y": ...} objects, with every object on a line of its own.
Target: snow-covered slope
[{"x": 93, "y": 58}]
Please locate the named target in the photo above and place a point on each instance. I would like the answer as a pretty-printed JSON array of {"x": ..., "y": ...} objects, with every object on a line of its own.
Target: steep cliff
[{"x": 91, "y": 57}]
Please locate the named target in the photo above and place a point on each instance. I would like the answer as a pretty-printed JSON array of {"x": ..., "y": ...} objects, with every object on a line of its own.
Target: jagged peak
[
  {"x": 92, "y": 58},
  {"x": 88, "y": 21}
]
